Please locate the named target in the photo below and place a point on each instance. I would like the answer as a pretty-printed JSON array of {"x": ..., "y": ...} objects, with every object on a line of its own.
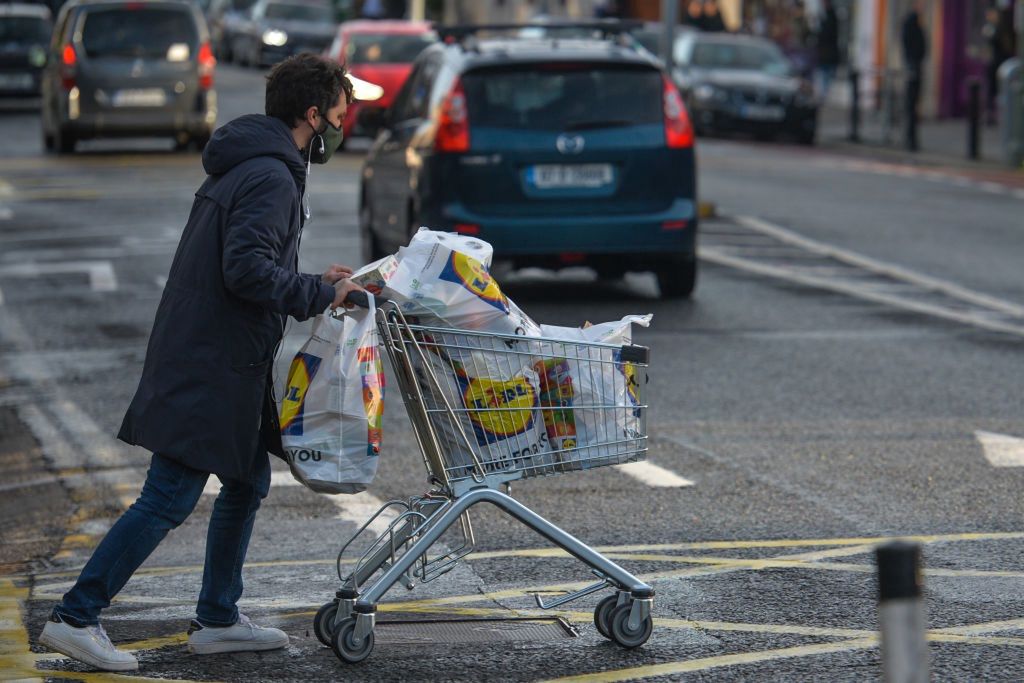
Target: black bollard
[
  {"x": 854, "y": 106},
  {"x": 901, "y": 613},
  {"x": 973, "y": 118}
]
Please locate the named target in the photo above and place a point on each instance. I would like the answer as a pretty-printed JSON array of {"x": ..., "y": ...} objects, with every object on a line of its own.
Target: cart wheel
[
  {"x": 603, "y": 613},
  {"x": 323, "y": 622},
  {"x": 344, "y": 645},
  {"x": 622, "y": 634}
]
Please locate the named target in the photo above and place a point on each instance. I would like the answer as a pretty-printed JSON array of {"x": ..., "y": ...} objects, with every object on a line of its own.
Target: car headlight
[
  {"x": 710, "y": 93},
  {"x": 365, "y": 91},
  {"x": 275, "y": 37}
]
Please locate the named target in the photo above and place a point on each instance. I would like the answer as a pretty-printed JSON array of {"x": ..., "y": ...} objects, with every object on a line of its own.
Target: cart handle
[{"x": 359, "y": 298}]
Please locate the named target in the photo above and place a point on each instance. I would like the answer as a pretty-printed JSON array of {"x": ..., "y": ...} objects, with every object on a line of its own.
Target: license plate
[
  {"x": 142, "y": 97},
  {"x": 760, "y": 112},
  {"x": 560, "y": 176},
  {"x": 16, "y": 81}
]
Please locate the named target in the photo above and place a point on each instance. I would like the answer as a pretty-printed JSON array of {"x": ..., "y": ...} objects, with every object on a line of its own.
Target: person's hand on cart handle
[
  {"x": 342, "y": 288},
  {"x": 336, "y": 272}
]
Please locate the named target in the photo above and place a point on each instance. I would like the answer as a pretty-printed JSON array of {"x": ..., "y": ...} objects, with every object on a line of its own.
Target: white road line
[
  {"x": 1001, "y": 450},
  {"x": 654, "y": 476},
  {"x": 161, "y": 281},
  {"x": 354, "y": 508},
  {"x": 101, "y": 273},
  {"x": 6, "y": 213}
]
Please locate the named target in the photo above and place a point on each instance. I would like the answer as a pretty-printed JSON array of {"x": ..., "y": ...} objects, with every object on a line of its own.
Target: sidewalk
[{"x": 943, "y": 142}]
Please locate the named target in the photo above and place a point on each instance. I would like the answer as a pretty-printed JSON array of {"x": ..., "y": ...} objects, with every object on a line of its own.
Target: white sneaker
[
  {"x": 244, "y": 636},
  {"x": 89, "y": 644}
]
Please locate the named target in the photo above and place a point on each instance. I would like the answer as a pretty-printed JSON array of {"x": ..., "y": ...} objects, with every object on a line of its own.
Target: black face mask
[{"x": 325, "y": 142}]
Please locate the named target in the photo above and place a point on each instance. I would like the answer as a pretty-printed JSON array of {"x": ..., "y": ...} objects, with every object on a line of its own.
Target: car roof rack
[{"x": 608, "y": 28}]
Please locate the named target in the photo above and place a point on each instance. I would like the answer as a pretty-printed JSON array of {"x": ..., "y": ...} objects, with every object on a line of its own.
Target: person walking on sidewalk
[
  {"x": 205, "y": 402},
  {"x": 827, "y": 44},
  {"x": 915, "y": 49}
]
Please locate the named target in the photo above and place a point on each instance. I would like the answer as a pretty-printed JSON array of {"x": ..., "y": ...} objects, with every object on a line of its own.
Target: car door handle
[{"x": 390, "y": 146}]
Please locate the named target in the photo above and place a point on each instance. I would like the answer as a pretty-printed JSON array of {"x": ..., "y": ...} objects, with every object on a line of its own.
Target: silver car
[{"x": 129, "y": 69}]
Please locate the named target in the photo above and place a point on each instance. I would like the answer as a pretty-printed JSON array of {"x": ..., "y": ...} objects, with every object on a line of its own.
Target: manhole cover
[{"x": 472, "y": 631}]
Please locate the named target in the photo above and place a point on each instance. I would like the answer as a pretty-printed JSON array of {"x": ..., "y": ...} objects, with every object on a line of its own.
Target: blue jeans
[{"x": 168, "y": 497}]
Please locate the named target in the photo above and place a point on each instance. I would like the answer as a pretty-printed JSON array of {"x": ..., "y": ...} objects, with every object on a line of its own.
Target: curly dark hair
[{"x": 303, "y": 81}]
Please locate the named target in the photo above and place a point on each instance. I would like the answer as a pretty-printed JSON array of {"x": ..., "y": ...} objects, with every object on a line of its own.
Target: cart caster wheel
[
  {"x": 622, "y": 634},
  {"x": 323, "y": 622},
  {"x": 344, "y": 645},
  {"x": 603, "y": 613}
]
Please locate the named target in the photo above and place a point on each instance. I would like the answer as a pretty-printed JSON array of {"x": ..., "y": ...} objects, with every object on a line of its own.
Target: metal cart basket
[{"x": 488, "y": 409}]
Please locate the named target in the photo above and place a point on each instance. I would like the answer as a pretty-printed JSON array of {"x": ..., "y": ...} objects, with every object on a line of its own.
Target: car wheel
[
  {"x": 64, "y": 141},
  {"x": 371, "y": 249},
  {"x": 48, "y": 143},
  {"x": 677, "y": 277},
  {"x": 199, "y": 142},
  {"x": 806, "y": 138}
]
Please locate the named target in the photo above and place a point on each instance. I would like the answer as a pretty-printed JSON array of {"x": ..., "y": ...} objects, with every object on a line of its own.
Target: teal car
[{"x": 559, "y": 152}]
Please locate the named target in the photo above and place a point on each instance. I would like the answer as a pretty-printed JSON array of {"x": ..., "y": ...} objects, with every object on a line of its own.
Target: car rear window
[
  {"x": 151, "y": 33},
  {"x": 24, "y": 31},
  {"x": 372, "y": 48},
  {"x": 296, "y": 12},
  {"x": 564, "y": 96}
]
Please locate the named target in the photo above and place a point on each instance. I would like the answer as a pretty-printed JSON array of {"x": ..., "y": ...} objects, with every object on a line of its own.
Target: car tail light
[
  {"x": 69, "y": 62},
  {"x": 206, "y": 63},
  {"x": 467, "y": 228},
  {"x": 678, "y": 129},
  {"x": 453, "y": 127}
]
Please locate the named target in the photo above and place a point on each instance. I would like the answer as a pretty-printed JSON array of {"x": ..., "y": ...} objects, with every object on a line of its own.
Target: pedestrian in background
[
  {"x": 827, "y": 44},
  {"x": 694, "y": 15},
  {"x": 713, "y": 16},
  {"x": 205, "y": 402},
  {"x": 1001, "y": 40},
  {"x": 915, "y": 49}
]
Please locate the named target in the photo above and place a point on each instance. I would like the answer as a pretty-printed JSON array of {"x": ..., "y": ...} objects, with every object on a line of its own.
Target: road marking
[
  {"x": 101, "y": 273},
  {"x": 985, "y": 312},
  {"x": 15, "y": 657},
  {"x": 6, "y": 213},
  {"x": 1001, "y": 450},
  {"x": 652, "y": 475},
  {"x": 354, "y": 508}
]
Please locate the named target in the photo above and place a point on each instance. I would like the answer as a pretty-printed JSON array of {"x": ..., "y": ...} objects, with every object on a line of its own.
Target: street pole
[
  {"x": 901, "y": 613},
  {"x": 417, "y": 10},
  {"x": 669, "y": 17}
]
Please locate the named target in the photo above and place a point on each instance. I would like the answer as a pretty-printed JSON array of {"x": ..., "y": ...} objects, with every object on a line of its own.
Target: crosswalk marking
[
  {"x": 653, "y": 475},
  {"x": 1001, "y": 450}
]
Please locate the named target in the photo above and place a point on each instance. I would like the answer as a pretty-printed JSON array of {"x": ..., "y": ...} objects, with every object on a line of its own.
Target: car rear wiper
[{"x": 590, "y": 125}]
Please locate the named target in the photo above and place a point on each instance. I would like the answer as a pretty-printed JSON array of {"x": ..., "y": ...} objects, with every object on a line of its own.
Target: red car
[{"x": 382, "y": 53}]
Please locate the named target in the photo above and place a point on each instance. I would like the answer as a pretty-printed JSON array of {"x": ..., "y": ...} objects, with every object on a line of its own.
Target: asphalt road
[{"x": 809, "y": 425}]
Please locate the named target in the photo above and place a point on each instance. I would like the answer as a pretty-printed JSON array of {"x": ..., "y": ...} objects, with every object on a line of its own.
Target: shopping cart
[{"x": 486, "y": 410}]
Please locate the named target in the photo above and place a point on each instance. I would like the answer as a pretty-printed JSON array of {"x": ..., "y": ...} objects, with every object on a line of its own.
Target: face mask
[{"x": 325, "y": 142}]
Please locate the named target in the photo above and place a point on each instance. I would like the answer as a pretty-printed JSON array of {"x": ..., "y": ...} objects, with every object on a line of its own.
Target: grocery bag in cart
[
  {"x": 588, "y": 393},
  {"x": 333, "y": 404}
]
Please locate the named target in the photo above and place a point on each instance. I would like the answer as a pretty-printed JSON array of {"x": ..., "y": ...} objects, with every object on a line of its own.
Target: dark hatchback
[
  {"x": 743, "y": 84},
  {"x": 128, "y": 69},
  {"x": 559, "y": 152},
  {"x": 24, "y": 35}
]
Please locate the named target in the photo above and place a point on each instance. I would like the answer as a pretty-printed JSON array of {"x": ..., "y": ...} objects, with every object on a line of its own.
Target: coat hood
[{"x": 250, "y": 136}]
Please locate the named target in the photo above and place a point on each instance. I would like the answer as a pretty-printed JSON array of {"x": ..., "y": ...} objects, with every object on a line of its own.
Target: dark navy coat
[{"x": 206, "y": 394}]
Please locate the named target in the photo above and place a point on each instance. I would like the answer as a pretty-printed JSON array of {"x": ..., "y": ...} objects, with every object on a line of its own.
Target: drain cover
[{"x": 472, "y": 631}]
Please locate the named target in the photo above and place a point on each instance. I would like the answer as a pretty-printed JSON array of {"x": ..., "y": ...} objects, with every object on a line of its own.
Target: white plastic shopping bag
[
  {"x": 443, "y": 279},
  {"x": 333, "y": 404},
  {"x": 588, "y": 395}
]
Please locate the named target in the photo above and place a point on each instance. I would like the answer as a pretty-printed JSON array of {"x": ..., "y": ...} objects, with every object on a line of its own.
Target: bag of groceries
[
  {"x": 333, "y": 404},
  {"x": 443, "y": 279},
  {"x": 588, "y": 395}
]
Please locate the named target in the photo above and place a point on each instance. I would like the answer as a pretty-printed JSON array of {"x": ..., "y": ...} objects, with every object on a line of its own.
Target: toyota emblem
[{"x": 569, "y": 144}]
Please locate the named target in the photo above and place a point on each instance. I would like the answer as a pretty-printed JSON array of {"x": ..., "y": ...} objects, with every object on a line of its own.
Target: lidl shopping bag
[
  {"x": 482, "y": 404},
  {"x": 589, "y": 395},
  {"x": 443, "y": 279},
  {"x": 333, "y": 404}
]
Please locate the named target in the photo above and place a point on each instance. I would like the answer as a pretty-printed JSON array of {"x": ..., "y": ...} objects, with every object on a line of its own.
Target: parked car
[
  {"x": 278, "y": 29},
  {"x": 382, "y": 53},
  {"x": 128, "y": 69},
  {"x": 227, "y": 19},
  {"x": 559, "y": 152},
  {"x": 24, "y": 35},
  {"x": 737, "y": 83}
]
